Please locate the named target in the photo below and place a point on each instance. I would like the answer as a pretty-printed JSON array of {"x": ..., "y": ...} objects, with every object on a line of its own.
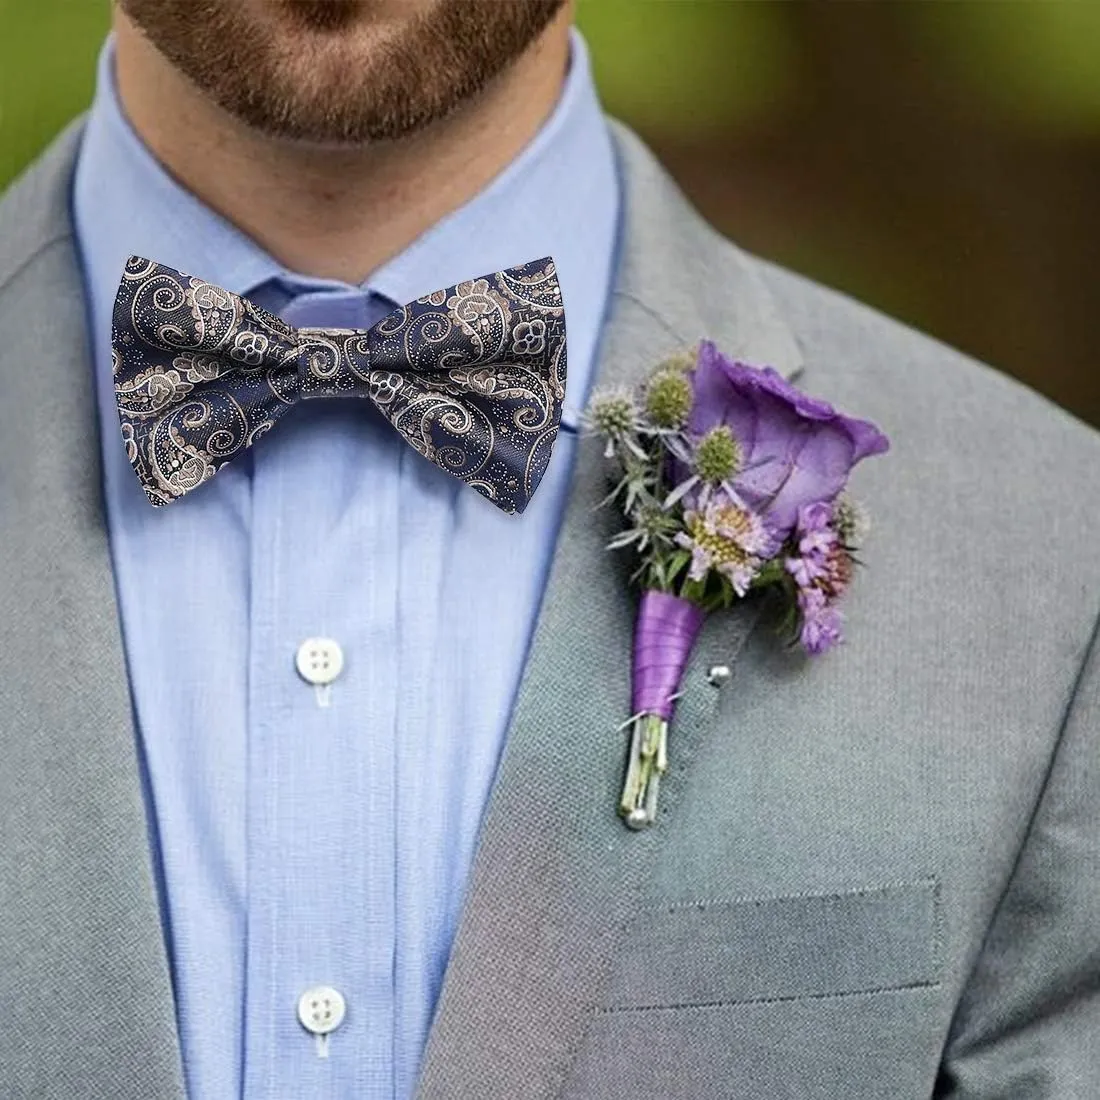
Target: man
[{"x": 397, "y": 871}]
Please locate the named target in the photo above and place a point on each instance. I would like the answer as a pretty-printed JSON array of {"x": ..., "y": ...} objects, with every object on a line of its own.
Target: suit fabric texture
[{"x": 876, "y": 874}]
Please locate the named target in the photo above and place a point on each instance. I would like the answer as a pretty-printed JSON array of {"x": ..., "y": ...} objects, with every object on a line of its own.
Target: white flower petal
[
  {"x": 681, "y": 490},
  {"x": 623, "y": 539}
]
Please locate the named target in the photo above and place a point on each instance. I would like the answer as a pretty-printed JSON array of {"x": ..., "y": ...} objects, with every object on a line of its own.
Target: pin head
[{"x": 718, "y": 675}]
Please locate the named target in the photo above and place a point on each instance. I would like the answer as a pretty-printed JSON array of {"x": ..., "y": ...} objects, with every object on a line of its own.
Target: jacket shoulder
[
  {"x": 34, "y": 210},
  {"x": 921, "y": 381},
  {"x": 986, "y": 479}
]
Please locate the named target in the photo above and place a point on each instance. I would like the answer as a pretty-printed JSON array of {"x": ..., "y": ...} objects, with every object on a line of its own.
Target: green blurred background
[{"x": 940, "y": 160}]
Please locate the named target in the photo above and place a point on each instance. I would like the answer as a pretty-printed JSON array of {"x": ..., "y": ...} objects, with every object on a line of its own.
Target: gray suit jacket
[{"x": 875, "y": 875}]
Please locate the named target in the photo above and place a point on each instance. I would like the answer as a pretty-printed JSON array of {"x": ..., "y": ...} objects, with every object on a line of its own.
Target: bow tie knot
[
  {"x": 473, "y": 376},
  {"x": 333, "y": 363}
]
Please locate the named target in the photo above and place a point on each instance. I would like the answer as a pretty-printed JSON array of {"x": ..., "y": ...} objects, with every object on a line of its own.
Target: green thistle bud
[
  {"x": 680, "y": 362},
  {"x": 851, "y": 521},
  {"x": 654, "y": 520},
  {"x": 717, "y": 455},
  {"x": 613, "y": 414},
  {"x": 668, "y": 399}
]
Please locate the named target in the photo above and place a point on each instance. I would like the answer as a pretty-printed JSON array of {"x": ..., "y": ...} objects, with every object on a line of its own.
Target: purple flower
[
  {"x": 821, "y": 628},
  {"x": 725, "y": 535},
  {"x": 815, "y": 517},
  {"x": 806, "y": 569},
  {"x": 795, "y": 450},
  {"x": 822, "y": 570},
  {"x": 816, "y": 537}
]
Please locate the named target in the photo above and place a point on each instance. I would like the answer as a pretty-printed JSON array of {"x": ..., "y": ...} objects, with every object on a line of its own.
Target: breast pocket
[
  {"x": 776, "y": 948},
  {"x": 807, "y": 997},
  {"x": 803, "y": 997}
]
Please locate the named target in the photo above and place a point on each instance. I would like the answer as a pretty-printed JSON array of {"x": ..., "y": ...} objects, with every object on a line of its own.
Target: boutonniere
[{"x": 730, "y": 480}]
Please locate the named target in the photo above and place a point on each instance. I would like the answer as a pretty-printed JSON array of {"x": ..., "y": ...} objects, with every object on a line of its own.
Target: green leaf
[
  {"x": 771, "y": 573},
  {"x": 677, "y": 562}
]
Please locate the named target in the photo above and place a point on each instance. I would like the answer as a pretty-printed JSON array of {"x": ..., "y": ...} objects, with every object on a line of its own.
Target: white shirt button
[
  {"x": 319, "y": 660},
  {"x": 321, "y": 1009}
]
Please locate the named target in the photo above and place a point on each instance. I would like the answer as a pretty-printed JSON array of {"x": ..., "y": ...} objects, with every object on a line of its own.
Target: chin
[{"x": 342, "y": 72}]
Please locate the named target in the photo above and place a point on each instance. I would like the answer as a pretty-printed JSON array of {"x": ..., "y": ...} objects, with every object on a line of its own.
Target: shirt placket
[{"x": 319, "y": 993}]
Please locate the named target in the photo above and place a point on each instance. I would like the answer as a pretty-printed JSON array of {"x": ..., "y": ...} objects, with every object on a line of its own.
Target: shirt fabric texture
[{"x": 297, "y": 844}]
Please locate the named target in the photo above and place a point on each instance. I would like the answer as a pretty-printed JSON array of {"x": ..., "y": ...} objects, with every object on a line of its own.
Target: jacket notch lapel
[
  {"x": 556, "y": 874},
  {"x": 81, "y": 943}
]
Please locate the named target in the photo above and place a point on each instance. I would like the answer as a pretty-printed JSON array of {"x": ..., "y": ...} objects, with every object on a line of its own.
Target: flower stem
[
  {"x": 665, "y": 632},
  {"x": 647, "y": 761}
]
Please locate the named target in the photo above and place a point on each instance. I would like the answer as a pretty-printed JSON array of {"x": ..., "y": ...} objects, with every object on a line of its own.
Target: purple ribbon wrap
[{"x": 664, "y": 635}]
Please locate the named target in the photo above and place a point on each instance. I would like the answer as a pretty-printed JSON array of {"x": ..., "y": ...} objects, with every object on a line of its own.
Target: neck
[{"x": 335, "y": 212}]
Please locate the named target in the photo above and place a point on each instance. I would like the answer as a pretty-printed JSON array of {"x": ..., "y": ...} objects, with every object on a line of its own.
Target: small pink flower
[
  {"x": 822, "y": 570},
  {"x": 821, "y": 629},
  {"x": 805, "y": 569},
  {"x": 729, "y": 537}
]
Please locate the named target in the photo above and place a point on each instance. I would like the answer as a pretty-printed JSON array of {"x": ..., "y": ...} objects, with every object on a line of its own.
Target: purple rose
[{"x": 796, "y": 450}]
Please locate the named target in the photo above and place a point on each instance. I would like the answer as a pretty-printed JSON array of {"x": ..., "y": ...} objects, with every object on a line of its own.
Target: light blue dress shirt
[{"x": 299, "y": 840}]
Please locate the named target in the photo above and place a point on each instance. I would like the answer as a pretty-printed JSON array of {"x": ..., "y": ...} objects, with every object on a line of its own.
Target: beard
[{"x": 341, "y": 72}]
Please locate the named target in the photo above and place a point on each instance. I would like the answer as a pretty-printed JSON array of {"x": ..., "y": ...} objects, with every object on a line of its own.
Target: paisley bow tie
[{"x": 472, "y": 376}]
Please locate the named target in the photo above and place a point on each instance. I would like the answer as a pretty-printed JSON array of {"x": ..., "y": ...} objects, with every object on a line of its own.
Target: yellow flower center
[{"x": 723, "y": 549}]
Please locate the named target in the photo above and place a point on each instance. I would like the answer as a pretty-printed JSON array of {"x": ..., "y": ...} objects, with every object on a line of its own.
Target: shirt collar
[
  {"x": 127, "y": 203},
  {"x": 559, "y": 197}
]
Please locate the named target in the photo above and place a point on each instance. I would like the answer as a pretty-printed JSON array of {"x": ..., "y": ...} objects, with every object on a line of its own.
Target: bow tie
[{"x": 472, "y": 376}]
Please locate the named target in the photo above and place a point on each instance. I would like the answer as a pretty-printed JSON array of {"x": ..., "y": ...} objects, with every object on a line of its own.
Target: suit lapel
[
  {"x": 81, "y": 948},
  {"x": 556, "y": 873}
]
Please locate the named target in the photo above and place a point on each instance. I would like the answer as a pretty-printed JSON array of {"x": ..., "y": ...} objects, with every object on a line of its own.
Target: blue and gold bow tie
[{"x": 472, "y": 376}]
